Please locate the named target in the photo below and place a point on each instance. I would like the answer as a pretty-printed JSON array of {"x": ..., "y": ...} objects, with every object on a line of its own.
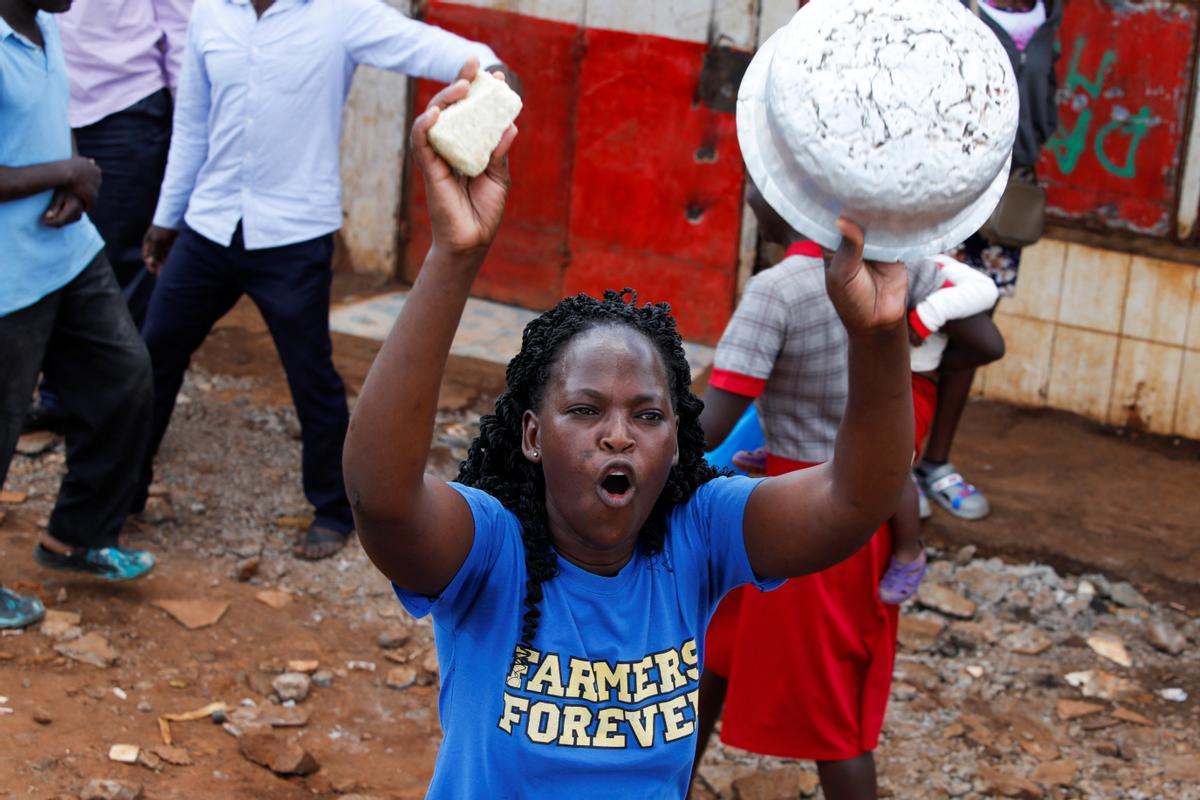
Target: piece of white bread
[{"x": 468, "y": 131}]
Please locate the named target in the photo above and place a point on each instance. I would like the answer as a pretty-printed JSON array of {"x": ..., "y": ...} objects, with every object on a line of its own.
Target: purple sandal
[{"x": 901, "y": 580}]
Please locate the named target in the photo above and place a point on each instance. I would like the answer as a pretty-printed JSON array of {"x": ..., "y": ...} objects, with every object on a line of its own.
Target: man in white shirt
[{"x": 251, "y": 199}]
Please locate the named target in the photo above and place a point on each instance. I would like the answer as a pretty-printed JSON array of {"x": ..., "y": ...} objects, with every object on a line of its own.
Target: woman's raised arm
[
  {"x": 809, "y": 520},
  {"x": 416, "y": 529}
]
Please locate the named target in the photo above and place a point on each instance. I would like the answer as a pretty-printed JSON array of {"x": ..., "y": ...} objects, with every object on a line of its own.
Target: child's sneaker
[
  {"x": 109, "y": 563},
  {"x": 18, "y": 611},
  {"x": 901, "y": 580},
  {"x": 952, "y": 492},
  {"x": 752, "y": 462}
]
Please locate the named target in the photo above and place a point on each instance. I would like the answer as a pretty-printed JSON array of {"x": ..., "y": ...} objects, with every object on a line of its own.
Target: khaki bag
[{"x": 1020, "y": 217}]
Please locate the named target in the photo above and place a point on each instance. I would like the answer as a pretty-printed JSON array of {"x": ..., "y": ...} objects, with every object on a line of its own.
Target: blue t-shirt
[
  {"x": 36, "y": 259},
  {"x": 607, "y": 704}
]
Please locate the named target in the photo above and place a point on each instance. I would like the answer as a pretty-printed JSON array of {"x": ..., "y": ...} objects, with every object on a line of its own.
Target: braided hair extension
[{"x": 496, "y": 462}]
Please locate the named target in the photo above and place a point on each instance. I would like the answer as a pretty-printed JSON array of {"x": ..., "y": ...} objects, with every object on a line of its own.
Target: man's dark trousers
[
  {"x": 84, "y": 340},
  {"x": 130, "y": 147},
  {"x": 200, "y": 281}
]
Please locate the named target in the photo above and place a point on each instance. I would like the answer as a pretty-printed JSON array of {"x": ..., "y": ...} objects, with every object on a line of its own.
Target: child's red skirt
[{"x": 809, "y": 665}]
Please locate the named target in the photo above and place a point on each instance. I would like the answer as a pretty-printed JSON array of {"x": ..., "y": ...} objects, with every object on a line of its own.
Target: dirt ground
[{"x": 976, "y": 712}]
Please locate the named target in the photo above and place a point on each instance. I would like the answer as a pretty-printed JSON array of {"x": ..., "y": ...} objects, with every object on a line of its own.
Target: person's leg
[
  {"x": 290, "y": 285},
  {"x": 954, "y": 388},
  {"x": 99, "y": 363},
  {"x": 130, "y": 147},
  {"x": 852, "y": 779},
  {"x": 708, "y": 711},
  {"x": 195, "y": 288},
  {"x": 24, "y": 336}
]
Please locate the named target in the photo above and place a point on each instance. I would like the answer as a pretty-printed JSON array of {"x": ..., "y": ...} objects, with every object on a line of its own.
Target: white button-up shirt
[{"x": 258, "y": 115}]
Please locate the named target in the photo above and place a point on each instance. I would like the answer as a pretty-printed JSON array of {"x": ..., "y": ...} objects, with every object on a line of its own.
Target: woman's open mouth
[{"x": 616, "y": 490}]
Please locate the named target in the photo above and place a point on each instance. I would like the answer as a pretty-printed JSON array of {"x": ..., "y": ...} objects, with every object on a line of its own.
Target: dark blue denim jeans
[
  {"x": 198, "y": 284},
  {"x": 84, "y": 340},
  {"x": 130, "y": 147}
]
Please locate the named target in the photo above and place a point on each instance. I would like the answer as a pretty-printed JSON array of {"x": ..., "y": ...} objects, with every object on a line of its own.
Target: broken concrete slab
[
  {"x": 91, "y": 649},
  {"x": 193, "y": 614}
]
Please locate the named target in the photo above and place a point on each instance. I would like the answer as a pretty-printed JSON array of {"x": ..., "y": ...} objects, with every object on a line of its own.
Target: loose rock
[
  {"x": 274, "y": 598},
  {"x": 91, "y": 649},
  {"x": 99, "y": 789},
  {"x": 1057, "y": 773},
  {"x": 42, "y": 717},
  {"x": 777, "y": 784},
  {"x": 246, "y": 569},
  {"x": 1125, "y": 595},
  {"x": 124, "y": 753},
  {"x": 61, "y": 626},
  {"x": 1074, "y": 709},
  {"x": 193, "y": 614},
  {"x": 919, "y": 632},
  {"x": 1029, "y": 641},
  {"x": 1165, "y": 637},
  {"x": 281, "y": 756},
  {"x": 1109, "y": 645},
  {"x": 401, "y": 677},
  {"x": 306, "y": 666},
  {"x": 292, "y": 686},
  {"x": 322, "y": 679},
  {"x": 997, "y": 782},
  {"x": 945, "y": 600},
  {"x": 176, "y": 756}
]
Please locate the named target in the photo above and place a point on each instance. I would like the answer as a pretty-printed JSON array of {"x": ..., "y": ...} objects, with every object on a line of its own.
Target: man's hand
[
  {"x": 869, "y": 296},
  {"x": 83, "y": 180},
  {"x": 156, "y": 244},
  {"x": 64, "y": 209},
  {"x": 464, "y": 212},
  {"x": 510, "y": 77}
]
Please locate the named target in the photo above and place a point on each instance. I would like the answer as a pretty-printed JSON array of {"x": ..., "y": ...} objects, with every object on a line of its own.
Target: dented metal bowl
[{"x": 899, "y": 113}]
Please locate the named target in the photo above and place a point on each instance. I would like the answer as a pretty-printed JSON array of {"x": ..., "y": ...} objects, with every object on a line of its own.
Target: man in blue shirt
[
  {"x": 62, "y": 312},
  {"x": 251, "y": 200}
]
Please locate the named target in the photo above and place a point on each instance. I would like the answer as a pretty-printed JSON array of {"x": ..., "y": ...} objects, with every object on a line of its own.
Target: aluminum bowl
[{"x": 900, "y": 114}]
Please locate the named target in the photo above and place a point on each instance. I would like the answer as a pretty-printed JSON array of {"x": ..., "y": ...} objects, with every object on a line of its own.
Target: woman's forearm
[
  {"x": 875, "y": 439},
  {"x": 392, "y": 426}
]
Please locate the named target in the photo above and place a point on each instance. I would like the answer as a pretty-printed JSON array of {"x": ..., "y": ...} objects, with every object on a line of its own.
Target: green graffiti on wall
[{"x": 1069, "y": 146}]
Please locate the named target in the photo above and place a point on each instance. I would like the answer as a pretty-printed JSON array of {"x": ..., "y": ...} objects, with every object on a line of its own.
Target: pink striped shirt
[{"x": 121, "y": 51}]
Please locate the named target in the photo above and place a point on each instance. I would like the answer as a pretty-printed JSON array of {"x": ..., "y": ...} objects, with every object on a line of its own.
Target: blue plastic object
[{"x": 746, "y": 435}]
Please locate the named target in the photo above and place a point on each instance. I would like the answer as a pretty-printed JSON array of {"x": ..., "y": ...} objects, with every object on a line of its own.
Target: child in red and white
[
  {"x": 805, "y": 671},
  {"x": 960, "y": 304}
]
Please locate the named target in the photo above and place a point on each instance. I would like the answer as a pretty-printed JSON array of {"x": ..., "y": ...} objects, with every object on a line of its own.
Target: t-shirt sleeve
[
  {"x": 751, "y": 342},
  {"x": 493, "y": 528},
  {"x": 717, "y": 511}
]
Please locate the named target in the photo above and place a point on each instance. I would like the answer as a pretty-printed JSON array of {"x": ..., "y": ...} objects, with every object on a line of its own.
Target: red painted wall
[
  {"x": 620, "y": 178},
  {"x": 1124, "y": 79}
]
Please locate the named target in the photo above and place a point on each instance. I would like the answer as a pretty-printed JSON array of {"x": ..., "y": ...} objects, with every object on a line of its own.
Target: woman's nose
[{"x": 617, "y": 438}]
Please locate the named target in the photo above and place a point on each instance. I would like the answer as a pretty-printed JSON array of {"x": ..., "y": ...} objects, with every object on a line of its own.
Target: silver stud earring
[{"x": 536, "y": 454}]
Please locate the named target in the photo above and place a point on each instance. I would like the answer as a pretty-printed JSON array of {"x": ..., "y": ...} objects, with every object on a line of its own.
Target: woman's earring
[{"x": 535, "y": 454}]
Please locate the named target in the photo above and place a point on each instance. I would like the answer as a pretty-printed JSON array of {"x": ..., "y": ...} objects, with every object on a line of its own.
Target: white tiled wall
[{"x": 1110, "y": 336}]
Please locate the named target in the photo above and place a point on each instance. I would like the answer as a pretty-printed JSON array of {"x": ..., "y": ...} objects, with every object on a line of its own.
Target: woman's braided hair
[{"x": 496, "y": 462}]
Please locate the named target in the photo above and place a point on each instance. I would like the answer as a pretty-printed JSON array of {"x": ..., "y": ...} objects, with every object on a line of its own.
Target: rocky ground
[{"x": 293, "y": 680}]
